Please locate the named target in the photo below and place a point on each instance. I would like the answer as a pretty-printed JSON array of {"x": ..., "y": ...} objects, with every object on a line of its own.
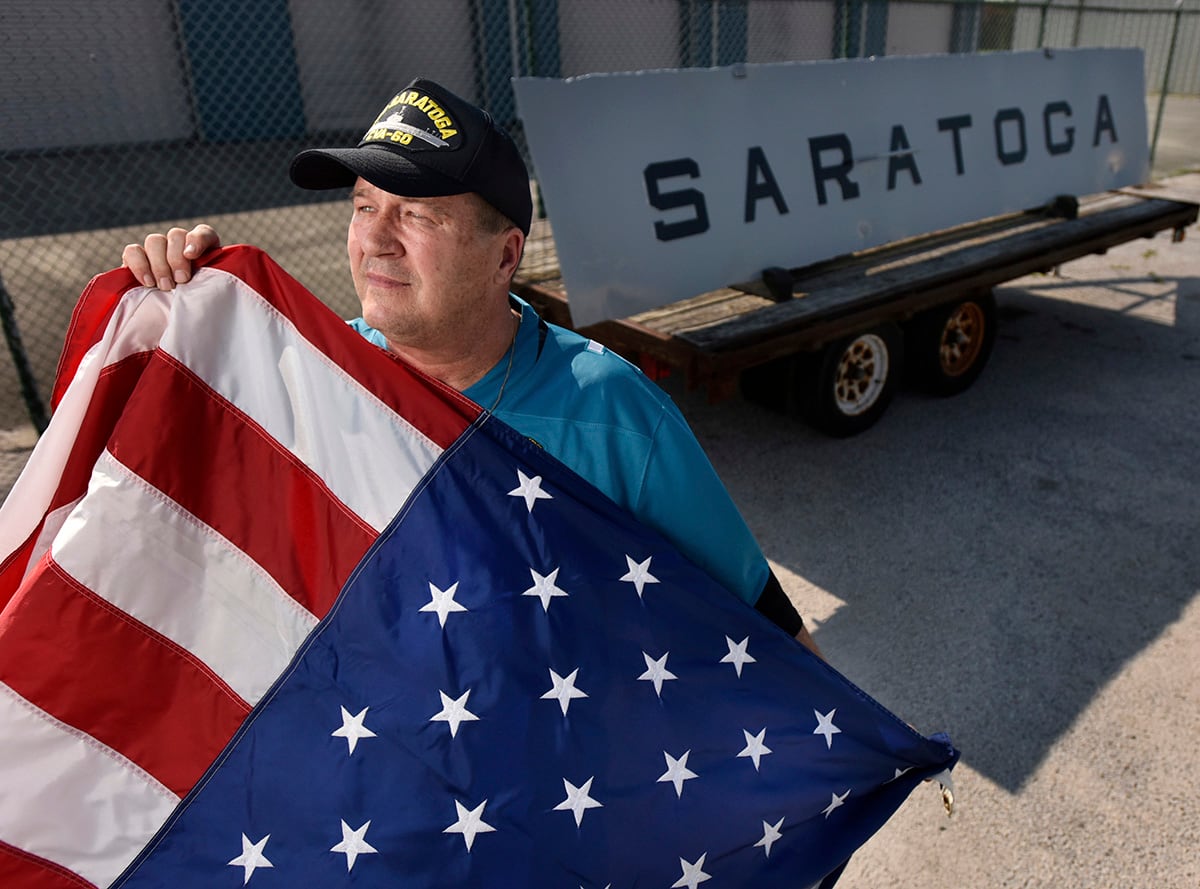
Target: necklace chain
[{"x": 512, "y": 351}]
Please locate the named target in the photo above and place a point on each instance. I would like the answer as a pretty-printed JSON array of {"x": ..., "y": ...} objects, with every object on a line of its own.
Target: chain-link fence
[{"x": 123, "y": 118}]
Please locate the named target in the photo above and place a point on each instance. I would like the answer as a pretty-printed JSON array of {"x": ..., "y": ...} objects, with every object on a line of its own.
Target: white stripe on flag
[
  {"x": 198, "y": 589},
  {"x": 96, "y": 812},
  {"x": 312, "y": 407}
]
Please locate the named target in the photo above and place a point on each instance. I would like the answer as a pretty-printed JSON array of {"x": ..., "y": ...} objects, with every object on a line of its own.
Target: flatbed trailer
[{"x": 828, "y": 340}]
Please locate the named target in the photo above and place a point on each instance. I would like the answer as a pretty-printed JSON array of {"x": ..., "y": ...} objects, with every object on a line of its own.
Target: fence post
[
  {"x": 847, "y": 29},
  {"x": 1166, "y": 81},
  {"x": 1042, "y": 25},
  {"x": 964, "y": 26},
  {"x": 1078, "y": 23},
  {"x": 29, "y": 391}
]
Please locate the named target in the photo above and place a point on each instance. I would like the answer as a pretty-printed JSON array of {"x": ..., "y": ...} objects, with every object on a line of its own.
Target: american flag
[{"x": 282, "y": 611}]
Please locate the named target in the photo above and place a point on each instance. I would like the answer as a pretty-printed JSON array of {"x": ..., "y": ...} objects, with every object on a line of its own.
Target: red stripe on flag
[
  {"x": 20, "y": 870},
  {"x": 402, "y": 388},
  {"x": 13, "y": 568},
  {"x": 89, "y": 320},
  {"x": 224, "y": 469},
  {"x": 113, "y": 387},
  {"x": 130, "y": 687}
]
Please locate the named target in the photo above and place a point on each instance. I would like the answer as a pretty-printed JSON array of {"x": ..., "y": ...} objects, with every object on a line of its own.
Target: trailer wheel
[
  {"x": 855, "y": 381},
  {"x": 949, "y": 345}
]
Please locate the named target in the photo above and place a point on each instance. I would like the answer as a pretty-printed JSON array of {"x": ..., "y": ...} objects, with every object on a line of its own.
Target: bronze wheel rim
[{"x": 962, "y": 339}]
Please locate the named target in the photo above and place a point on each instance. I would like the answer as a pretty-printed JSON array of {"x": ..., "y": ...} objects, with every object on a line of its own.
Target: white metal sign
[{"x": 664, "y": 184}]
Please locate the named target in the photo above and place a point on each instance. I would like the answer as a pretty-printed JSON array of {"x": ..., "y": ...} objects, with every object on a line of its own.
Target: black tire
[
  {"x": 855, "y": 380},
  {"x": 949, "y": 346}
]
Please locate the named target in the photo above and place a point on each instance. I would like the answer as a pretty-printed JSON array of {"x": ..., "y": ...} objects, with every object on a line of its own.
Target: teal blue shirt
[{"x": 601, "y": 416}]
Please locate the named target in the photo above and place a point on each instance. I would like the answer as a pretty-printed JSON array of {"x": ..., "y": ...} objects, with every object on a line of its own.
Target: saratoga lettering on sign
[
  {"x": 833, "y": 161},
  {"x": 664, "y": 184}
]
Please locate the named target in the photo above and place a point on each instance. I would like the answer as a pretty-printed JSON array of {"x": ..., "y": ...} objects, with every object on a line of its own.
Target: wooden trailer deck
[{"x": 714, "y": 336}]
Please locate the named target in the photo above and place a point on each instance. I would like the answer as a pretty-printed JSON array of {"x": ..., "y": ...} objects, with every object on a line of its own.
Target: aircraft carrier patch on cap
[{"x": 417, "y": 121}]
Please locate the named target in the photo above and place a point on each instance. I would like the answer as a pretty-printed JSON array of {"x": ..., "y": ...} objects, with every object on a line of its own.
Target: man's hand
[
  {"x": 166, "y": 260},
  {"x": 806, "y": 639}
]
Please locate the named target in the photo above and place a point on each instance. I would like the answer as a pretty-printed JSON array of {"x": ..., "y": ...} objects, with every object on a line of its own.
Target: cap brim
[{"x": 321, "y": 168}]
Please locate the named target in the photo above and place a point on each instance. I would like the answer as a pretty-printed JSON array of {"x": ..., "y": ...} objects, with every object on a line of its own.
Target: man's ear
[{"x": 512, "y": 249}]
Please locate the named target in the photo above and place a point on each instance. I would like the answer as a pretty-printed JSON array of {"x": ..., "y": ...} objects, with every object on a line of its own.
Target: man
[{"x": 441, "y": 210}]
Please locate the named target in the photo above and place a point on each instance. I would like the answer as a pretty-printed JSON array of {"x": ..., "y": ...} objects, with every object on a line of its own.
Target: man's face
[{"x": 424, "y": 269}]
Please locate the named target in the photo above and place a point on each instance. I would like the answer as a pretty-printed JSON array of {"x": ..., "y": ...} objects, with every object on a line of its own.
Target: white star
[
  {"x": 771, "y": 833},
  {"x": 639, "y": 574},
  {"x": 834, "y": 802},
  {"x": 755, "y": 748},
  {"x": 252, "y": 856},
  {"x": 352, "y": 728},
  {"x": 693, "y": 874},
  {"x": 677, "y": 772},
  {"x": 442, "y": 602},
  {"x": 530, "y": 489},
  {"x": 826, "y": 727},
  {"x": 454, "y": 711},
  {"x": 353, "y": 844},
  {"x": 469, "y": 823},
  {"x": 544, "y": 588},
  {"x": 564, "y": 689},
  {"x": 737, "y": 654},
  {"x": 657, "y": 672},
  {"x": 899, "y": 773},
  {"x": 578, "y": 799}
]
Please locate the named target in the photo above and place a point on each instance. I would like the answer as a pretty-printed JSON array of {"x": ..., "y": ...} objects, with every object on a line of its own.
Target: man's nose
[{"x": 381, "y": 237}]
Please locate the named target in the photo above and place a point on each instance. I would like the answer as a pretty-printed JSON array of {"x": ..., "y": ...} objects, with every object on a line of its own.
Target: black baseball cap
[{"x": 428, "y": 142}]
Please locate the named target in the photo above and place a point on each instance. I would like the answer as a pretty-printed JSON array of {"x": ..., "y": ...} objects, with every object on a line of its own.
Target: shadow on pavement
[{"x": 1001, "y": 555}]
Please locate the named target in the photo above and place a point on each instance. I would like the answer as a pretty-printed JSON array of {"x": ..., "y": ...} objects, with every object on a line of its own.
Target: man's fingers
[
  {"x": 133, "y": 257},
  {"x": 178, "y": 267},
  {"x": 185, "y": 246},
  {"x": 156, "y": 248},
  {"x": 164, "y": 260},
  {"x": 200, "y": 240}
]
